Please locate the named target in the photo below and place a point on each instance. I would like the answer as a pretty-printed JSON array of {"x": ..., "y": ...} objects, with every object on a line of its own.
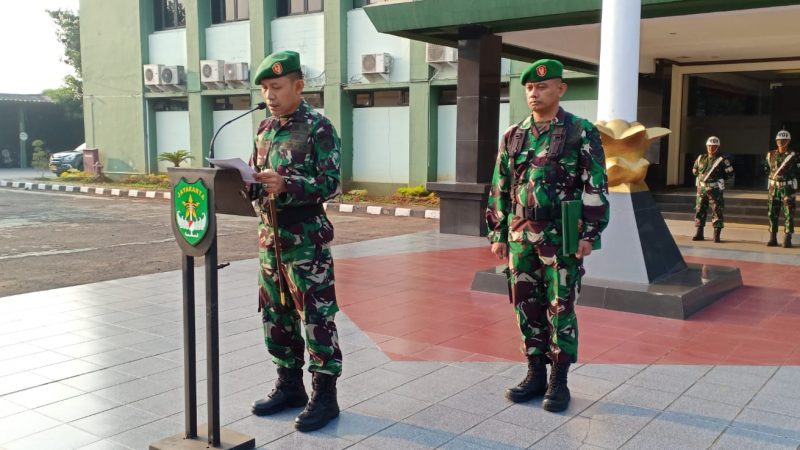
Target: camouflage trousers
[
  {"x": 308, "y": 275},
  {"x": 709, "y": 197},
  {"x": 781, "y": 199},
  {"x": 544, "y": 291}
]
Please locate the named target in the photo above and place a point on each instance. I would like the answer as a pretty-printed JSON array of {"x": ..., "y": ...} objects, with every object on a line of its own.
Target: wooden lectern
[{"x": 198, "y": 195}]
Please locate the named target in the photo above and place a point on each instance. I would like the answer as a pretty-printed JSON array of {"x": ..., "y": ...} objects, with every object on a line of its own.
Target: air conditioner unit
[
  {"x": 173, "y": 78},
  {"x": 439, "y": 54},
  {"x": 376, "y": 63},
  {"x": 237, "y": 74},
  {"x": 152, "y": 76},
  {"x": 212, "y": 73}
]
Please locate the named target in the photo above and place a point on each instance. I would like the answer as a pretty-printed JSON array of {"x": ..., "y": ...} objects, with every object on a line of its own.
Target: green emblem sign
[{"x": 191, "y": 210}]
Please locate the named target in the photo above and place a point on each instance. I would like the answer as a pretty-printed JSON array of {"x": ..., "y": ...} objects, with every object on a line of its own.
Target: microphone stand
[{"x": 260, "y": 106}]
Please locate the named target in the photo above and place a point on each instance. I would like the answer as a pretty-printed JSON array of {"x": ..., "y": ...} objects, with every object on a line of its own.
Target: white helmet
[
  {"x": 783, "y": 134},
  {"x": 712, "y": 140}
]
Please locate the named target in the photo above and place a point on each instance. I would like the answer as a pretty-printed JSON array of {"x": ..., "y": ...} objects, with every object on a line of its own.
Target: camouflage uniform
[
  {"x": 304, "y": 150},
  {"x": 710, "y": 187},
  {"x": 782, "y": 188},
  {"x": 544, "y": 280}
]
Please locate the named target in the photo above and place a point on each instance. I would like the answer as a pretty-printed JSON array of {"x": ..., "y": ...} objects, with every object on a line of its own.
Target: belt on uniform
[
  {"x": 537, "y": 212},
  {"x": 296, "y": 214},
  {"x": 783, "y": 183}
]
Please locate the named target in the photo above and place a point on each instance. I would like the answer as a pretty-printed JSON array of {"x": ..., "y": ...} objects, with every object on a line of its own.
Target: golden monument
[{"x": 625, "y": 144}]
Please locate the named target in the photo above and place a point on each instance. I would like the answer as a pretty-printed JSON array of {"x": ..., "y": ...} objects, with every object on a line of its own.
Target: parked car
[{"x": 71, "y": 159}]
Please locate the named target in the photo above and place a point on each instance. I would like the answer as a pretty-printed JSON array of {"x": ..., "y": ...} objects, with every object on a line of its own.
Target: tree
[
  {"x": 176, "y": 157},
  {"x": 40, "y": 158},
  {"x": 69, "y": 35}
]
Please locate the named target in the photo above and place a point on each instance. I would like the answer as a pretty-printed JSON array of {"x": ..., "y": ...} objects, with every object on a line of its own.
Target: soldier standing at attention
[
  {"x": 550, "y": 157},
  {"x": 297, "y": 159},
  {"x": 783, "y": 166},
  {"x": 711, "y": 170}
]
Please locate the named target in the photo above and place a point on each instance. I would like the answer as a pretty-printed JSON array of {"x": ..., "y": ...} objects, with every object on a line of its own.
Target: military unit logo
[
  {"x": 541, "y": 70},
  {"x": 191, "y": 210},
  {"x": 277, "y": 68}
]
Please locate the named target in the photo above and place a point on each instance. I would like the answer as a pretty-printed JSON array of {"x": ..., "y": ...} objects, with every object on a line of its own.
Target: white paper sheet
[{"x": 246, "y": 171}]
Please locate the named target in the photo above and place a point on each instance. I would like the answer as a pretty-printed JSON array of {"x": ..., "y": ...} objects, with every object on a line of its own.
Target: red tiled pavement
[{"x": 419, "y": 307}]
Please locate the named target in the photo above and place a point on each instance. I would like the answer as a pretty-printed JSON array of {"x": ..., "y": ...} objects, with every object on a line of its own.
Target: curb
[{"x": 166, "y": 195}]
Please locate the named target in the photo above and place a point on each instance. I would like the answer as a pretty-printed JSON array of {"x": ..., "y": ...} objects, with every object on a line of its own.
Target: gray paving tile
[
  {"x": 142, "y": 437},
  {"x": 440, "y": 384},
  {"x": 8, "y": 408},
  {"x": 97, "y": 380},
  {"x": 740, "y": 438},
  {"x": 611, "y": 372},
  {"x": 30, "y": 362},
  {"x": 404, "y": 436},
  {"x": 266, "y": 429},
  {"x": 309, "y": 441},
  {"x": 736, "y": 396},
  {"x": 105, "y": 444},
  {"x": 354, "y": 427},
  {"x": 642, "y": 397},
  {"x": 15, "y": 350},
  {"x": 21, "y": 381},
  {"x": 114, "y": 421},
  {"x": 787, "y": 374},
  {"x": 598, "y": 433},
  {"x": 164, "y": 404},
  {"x": 775, "y": 387},
  {"x": 740, "y": 376},
  {"x": 531, "y": 416},
  {"x": 555, "y": 442},
  {"x": 43, "y": 395},
  {"x": 484, "y": 399},
  {"x": 64, "y": 436},
  {"x": 77, "y": 407},
  {"x": 131, "y": 391},
  {"x": 67, "y": 369},
  {"x": 676, "y": 380},
  {"x": 60, "y": 340},
  {"x": 24, "y": 424},
  {"x": 87, "y": 348},
  {"x": 102, "y": 330},
  {"x": 705, "y": 409},
  {"x": 590, "y": 387},
  {"x": 633, "y": 416},
  {"x": 147, "y": 366},
  {"x": 491, "y": 368},
  {"x": 362, "y": 361},
  {"x": 777, "y": 403},
  {"x": 368, "y": 384},
  {"x": 768, "y": 423},
  {"x": 500, "y": 435},
  {"x": 442, "y": 418},
  {"x": 390, "y": 406},
  {"x": 115, "y": 357},
  {"x": 415, "y": 368},
  {"x": 673, "y": 430}
]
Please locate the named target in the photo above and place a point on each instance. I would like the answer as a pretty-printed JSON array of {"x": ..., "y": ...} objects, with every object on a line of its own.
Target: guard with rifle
[
  {"x": 711, "y": 169},
  {"x": 296, "y": 156},
  {"x": 783, "y": 166}
]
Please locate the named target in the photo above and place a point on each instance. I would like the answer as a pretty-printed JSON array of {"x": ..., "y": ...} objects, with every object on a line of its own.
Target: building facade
[{"x": 392, "y": 99}]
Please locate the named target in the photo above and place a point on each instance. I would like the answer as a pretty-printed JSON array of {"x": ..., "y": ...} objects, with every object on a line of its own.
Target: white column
[{"x": 618, "y": 86}]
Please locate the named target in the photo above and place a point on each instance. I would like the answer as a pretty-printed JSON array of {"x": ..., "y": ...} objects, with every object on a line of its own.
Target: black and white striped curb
[
  {"x": 166, "y": 195},
  {"x": 108, "y": 192}
]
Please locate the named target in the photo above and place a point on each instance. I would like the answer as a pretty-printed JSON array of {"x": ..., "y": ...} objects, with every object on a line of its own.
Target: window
[
  {"x": 315, "y": 99},
  {"x": 169, "y": 14},
  {"x": 448, "y": 97},
  {"x": 170, "y": 104},
  {"x": 223, "y": 11},
  {"x": 297, "y": 7},
  {"x": 237, "y": 102},
  {"x": 394, "y": 97}
]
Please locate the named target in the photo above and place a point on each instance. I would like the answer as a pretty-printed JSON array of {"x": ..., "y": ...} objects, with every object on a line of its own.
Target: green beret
[
  {"x": 277, "y": 65},
  {"x": 543, "y": 69}
]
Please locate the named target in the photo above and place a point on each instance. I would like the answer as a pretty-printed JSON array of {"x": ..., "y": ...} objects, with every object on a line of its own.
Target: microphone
[{"x": 260, "y": 106}]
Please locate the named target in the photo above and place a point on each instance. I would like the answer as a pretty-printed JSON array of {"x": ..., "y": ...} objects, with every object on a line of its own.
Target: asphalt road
[{"x": 51, "y": 240}]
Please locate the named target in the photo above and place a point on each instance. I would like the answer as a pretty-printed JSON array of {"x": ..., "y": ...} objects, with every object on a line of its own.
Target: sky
[{"x": 30, "y": 54}]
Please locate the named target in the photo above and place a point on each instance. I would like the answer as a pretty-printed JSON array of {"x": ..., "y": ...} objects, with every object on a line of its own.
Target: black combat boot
[
  {"x": 556, "y": 399},
  {"x": 717, "y": 233},
  {"x": 787, "y": 241},
  {"x": 322, "y": 407},
  {"x": 773, "y": 240},
  {"x": 289, "y": 392},
  {"x": 534, "y": 384},
  {"x": 698, "y": 235}
]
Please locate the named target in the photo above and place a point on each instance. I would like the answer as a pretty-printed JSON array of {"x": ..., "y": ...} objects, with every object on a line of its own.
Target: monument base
[
  {"x": 676, "y": 297},
  {"x": 229, "y": 440},
  {"x": 462, "y": 207}
]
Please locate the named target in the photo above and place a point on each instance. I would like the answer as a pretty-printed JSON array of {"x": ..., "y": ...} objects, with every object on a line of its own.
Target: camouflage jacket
[
  {"x": 774, "y": 161},
  {"x": 579, "y": 173},
  {"x": 704, "y": 163},
  {"x": 305, "y": 151}
]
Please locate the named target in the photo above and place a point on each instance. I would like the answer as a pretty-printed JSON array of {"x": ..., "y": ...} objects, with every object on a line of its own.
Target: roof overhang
[{"x": 683, "y": 31}]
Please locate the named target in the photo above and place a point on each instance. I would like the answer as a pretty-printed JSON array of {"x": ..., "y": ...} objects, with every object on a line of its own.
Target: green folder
[{"x": 571, "y": 214}]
